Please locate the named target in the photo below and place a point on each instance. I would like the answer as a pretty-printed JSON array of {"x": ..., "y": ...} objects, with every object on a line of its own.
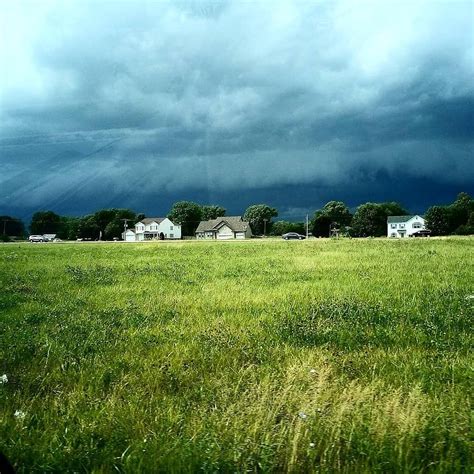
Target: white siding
[
  {"x": 225, "y": 232},
  {"x": 405, "y": 229},
  {"x": 130, "y": 236},
  {"x": 139, "y": 230},
  {"x": 154, "y": 229},
  {"x": 169, "y": 228}
]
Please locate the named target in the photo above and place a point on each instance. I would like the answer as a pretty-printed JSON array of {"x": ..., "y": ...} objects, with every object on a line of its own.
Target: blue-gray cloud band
[{"x": 232, "y": 95}]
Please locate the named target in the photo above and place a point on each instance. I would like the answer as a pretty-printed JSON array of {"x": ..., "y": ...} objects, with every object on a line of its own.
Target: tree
[
  {"x": 465, "y": 201},
  {"x": 460, "y": 210},
  {"x": 393, "y": 209},
  {"x": 333, "y": 212},
  {"x": 88, "y": 228},
  {"x": 103, "y": 217},
  {"x": 212, "y": 212},
  {"x": 45, "y": 222},
  {"x": 282, "y": 227},
  {"x": 106, "y": 223},
  {"x": 470, "y": 221},
  {"x": 452, "y": 219},
  {"x": 260, "y": 216},
  {"x": 338, "y": 212},
  {"x": 468, "y": 228},
  {"x": 188, "y": 214},
  {"x": 437, "y": 219},
  {"x": 320, "y": 225},
  {"x": 370, "y": 219},
  {"x": 69, "y": 228},
  {"x": 11, "y": 227},
  {"x": 116, "y": 225}
]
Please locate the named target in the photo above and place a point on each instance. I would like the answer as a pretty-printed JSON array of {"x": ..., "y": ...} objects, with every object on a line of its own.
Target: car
[
  {"x": 36, "y": 238},
  {"x": 421, "y": 233},
  {"x": 293, "y": 236}
]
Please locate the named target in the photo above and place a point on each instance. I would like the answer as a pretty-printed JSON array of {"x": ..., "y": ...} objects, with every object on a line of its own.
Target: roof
[
  {"x": 149, "y": 220},
  {"x": 234, "y": 222},
  {"x": 394, "y": 219}
]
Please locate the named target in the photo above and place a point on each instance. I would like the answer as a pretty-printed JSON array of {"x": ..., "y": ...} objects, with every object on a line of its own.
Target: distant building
[
  {"x": 224, "y": 228},
  {"x": 155, "y": 228},
  {"x": 129, "y": 236},
  {"x": 404, "y": 226},
  {"x": 49, "y": 237}
]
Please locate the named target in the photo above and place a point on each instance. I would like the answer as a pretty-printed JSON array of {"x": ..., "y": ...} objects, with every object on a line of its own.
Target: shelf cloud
[{"x": 233, "y": 101}]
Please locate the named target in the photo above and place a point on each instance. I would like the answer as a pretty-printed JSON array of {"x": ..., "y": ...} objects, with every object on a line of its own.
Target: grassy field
[{"x": 316, "y": 356}]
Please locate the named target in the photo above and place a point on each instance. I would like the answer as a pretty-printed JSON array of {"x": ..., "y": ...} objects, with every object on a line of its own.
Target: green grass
[{"x": 317, "y": 356}]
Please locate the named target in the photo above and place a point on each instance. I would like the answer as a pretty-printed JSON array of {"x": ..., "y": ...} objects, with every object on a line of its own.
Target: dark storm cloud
[{"x": 213, "y": 98}]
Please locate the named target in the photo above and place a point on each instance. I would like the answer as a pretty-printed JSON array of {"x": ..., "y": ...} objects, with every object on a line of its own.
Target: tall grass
[{"x": 317, "y": 356}]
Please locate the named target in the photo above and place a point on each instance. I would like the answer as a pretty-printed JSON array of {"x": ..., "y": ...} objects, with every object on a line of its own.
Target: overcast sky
[{"x": 139, "y": 104}]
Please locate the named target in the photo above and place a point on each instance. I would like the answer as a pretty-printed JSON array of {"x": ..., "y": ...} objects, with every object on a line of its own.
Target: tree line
[{"x": 368, "y": 220}]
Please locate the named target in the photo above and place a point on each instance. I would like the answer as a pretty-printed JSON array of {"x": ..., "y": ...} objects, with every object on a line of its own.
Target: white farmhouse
[
  {"x": 404, "y": 226},
  {"x": 156, "y": 228},
  {"x": 224, "y": 228}
]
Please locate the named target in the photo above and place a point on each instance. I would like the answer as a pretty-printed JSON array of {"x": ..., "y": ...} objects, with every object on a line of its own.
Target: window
[
  {"x": 171, "y": 227},
  {"x": 393, "y": 234},
  {"x": 417, "y": 225},
  {"x": 402, "y": 226},
  {"x": 394, "y": 226},
  {"x": 171, "y": 236}
]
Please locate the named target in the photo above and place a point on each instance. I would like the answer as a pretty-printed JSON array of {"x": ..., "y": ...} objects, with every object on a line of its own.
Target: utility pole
[
  {"x": 125, "y": 227},
  {"x": 307, "y": 226},
  {"x": 265, "y": 227}
]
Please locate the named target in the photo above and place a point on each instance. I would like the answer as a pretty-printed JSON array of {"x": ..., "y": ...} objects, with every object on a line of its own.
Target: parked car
[
  {"x": 293, "y": 236},
  {"x": 421, "y": 233},
  {"x": 36, "y": 238}
]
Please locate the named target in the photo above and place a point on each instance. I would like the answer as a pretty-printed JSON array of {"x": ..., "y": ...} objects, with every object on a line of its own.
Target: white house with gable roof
[
  {"x": 154, "y": 228},
  {"x": 404, "y": 226}
]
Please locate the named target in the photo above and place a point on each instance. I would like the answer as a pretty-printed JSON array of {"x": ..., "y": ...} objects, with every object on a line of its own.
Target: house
[
  {"x": 224, "y": 228},
  {"x": 404, "y": 226},
  {"x": 156, "y": 228},
  {"x": 129, "y": 236}
]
